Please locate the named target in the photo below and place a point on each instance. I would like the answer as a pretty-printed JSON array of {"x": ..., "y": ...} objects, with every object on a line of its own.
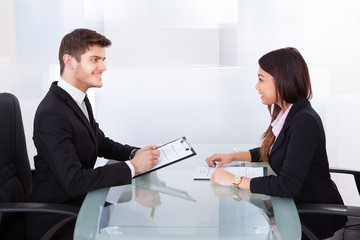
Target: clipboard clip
[{"x": 186, "y": 145}]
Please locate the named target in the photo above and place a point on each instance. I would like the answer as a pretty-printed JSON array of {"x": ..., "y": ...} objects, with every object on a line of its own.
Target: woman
[{"x": 293, "y": 145}]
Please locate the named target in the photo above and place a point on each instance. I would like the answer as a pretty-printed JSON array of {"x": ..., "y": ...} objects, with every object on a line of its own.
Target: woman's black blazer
[{"x": 299, "y": 159}]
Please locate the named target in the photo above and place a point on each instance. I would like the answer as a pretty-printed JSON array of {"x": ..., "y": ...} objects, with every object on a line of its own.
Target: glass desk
[{"x": 169, "y": 204}]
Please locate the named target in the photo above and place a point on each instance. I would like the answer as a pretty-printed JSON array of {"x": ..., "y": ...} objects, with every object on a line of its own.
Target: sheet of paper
[
  {"x": 250, "y": 172},
  {"x": 173, "y": 151}
]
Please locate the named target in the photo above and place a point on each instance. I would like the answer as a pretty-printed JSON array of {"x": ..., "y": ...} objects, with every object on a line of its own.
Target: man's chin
[{"x": 98, "y": 85}]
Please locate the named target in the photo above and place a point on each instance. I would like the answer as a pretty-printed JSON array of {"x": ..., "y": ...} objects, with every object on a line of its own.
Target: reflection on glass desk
[{"x": 169, "y": 204}]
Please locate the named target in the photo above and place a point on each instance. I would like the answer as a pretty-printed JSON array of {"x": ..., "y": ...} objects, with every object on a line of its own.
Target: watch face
[{"x": 236, "y": 179}]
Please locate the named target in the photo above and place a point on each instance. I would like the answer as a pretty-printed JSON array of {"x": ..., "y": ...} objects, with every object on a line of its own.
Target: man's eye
[{"x": 94, "y": 59}]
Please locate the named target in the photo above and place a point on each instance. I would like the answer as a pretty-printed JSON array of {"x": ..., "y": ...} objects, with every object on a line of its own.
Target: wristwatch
[
  {"x": 236, "y": 181},
  {"x": 132, "y": 154}
]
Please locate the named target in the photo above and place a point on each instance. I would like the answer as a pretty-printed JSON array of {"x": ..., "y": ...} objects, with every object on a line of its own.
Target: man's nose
[{"x": 102, "y": 66}]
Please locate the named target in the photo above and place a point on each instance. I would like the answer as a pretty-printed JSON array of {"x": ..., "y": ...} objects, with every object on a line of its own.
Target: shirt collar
[
  {"x": 278, "y": 123},
  {"x": 75, "y": 93}
]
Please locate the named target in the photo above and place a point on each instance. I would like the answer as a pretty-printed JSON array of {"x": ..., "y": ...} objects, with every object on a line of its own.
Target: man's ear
[{"x": 68, "y": 61}]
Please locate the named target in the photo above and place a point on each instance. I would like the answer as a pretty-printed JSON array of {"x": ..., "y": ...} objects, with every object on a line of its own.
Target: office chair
[
  {"x": 16, "y": 177},
  {"x": 352, "y": 227}
]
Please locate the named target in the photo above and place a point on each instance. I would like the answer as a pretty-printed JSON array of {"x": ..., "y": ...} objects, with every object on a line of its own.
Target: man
[{"x": 68, "y": 140}]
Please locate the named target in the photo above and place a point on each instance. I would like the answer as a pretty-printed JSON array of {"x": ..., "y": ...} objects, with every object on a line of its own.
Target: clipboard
[{"x": 171, "y": 153}]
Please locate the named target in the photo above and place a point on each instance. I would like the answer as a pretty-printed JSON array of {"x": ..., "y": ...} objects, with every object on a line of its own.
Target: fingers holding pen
[
  {"x": 211, "y": 161},
  {"x": 152, "y": 149},
  {"x": 219, "y": 159},
  {"x": 154, "y": 153},
  {"x": 215, "y": 160},
  {"x": 145, "y": 159}
]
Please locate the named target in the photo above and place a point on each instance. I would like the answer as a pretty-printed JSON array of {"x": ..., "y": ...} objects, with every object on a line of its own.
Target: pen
[{"x": 152, "y": 213}]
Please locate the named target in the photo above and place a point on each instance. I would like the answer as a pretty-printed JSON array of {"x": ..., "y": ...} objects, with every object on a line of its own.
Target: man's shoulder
[
  {"x": 49, "y": 100},
  {"x": 55, "y": 95},
  {"x": 52, "y": 103}
]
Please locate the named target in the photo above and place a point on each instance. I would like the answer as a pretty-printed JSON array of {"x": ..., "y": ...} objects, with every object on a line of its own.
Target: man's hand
[
  {"x": 147, "y": 198},
  {"x": 145, "y": 158}
]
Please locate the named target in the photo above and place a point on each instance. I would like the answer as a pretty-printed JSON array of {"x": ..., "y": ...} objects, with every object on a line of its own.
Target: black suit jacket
[
  {"x": 67, "y": 148},
  {"x": 299, "y": 159}
]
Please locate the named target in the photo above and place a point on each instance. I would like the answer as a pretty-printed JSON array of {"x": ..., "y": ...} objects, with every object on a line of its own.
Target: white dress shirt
[{"x": 76, "y": 94}]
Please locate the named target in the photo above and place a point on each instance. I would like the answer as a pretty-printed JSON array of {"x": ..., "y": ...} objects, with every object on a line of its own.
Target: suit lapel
[
  {"x": 298, "y": 105},
  {"x": 73, "y": 105}
]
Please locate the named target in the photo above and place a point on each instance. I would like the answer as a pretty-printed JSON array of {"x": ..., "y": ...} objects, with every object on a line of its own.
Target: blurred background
[{"x": 189, "y": 67}]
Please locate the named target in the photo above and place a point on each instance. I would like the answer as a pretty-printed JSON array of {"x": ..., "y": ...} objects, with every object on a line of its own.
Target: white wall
[{"x": 207, "y": 105}]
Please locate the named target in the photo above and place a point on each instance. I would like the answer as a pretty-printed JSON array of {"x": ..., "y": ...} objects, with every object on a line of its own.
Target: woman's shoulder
[{"x": 308, "y": 116}]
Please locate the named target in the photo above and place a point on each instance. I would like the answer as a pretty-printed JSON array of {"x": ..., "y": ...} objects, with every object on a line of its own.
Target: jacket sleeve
[
  {"x": 304, "y": 138},
  {"x": 255, "y": 154}
]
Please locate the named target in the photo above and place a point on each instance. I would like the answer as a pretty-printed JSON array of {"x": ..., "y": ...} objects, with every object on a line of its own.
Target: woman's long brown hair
[{"x": 292, "y": 81}]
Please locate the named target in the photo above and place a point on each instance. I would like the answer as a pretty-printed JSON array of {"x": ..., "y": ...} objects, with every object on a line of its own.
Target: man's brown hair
[{"x": 78, "y": 42}]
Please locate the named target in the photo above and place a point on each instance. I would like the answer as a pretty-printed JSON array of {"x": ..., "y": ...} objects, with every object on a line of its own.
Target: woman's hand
[
  {"x": 222, "y": 177},
  {"x": 225, "y": 178},
  {"x": 218, "y": 159}
]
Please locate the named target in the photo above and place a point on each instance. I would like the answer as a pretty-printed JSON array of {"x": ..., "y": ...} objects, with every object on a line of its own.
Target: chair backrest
[
  {"x": 15, "y": 172},
  {"x": 356, "y": 175}
]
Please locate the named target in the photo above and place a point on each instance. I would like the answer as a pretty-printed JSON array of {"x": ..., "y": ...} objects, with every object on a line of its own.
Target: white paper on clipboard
[{"x": 172, "y": 152}]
